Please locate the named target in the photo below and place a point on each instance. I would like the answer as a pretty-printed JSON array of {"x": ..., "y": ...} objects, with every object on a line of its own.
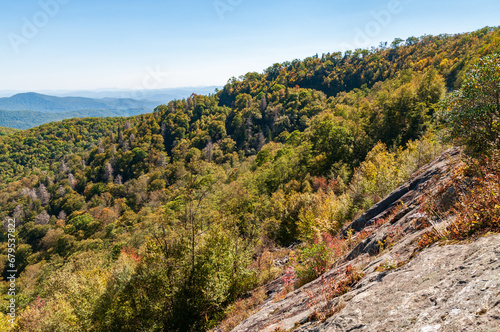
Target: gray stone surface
[
  {"x": 445, "y": 288},
  {"x": 442, "y": 288}
]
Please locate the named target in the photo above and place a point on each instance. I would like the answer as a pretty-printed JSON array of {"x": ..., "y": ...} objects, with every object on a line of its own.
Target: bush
[{"x": 315, "y": 259}]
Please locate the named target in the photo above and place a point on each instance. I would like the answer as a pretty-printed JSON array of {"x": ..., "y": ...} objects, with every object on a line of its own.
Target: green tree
[
  {"x": 473, "y": 112},
  {"x": 82, "y": 224}
]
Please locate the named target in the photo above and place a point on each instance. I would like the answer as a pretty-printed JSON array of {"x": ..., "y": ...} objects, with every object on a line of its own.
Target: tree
[
  {"x": 18, "y": 214},
  {"x": 42, "y": 219},
  {"x": 82, "y": 224},
  {"x": 473, "y": 112},
  {"x": 72, "y": 180},
  {"x": 118, "y": 180},
  {"x": 62, "y": 216},
  {"x": 332, "y": 142},
  {"x": 108, "y": 172},
  {"x": 263, "y": 103},
  {"x": 43, "y": 194}
]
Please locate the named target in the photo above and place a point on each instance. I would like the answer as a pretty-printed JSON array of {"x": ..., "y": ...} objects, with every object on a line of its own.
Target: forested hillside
[
  {"x": 29, "y": 119},
  {"x": 6, "y": 131},
  {"x": 162, "y": 221}
]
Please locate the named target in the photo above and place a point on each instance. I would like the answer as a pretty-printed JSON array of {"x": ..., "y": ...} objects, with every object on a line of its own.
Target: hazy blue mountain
[
  {"x": 50, "y": 104},
  {"x": 157, "y": 95},
  {"x": 30, "y": 119}
]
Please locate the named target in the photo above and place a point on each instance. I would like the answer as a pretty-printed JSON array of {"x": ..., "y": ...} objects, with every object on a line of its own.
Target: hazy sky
[{"x": 90, "y": 44}]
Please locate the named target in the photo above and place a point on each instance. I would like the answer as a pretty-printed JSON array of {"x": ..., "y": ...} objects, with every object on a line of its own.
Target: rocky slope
[{"x": 441, "y": 288}]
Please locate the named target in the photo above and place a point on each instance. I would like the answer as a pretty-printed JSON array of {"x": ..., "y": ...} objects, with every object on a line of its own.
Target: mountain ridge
[
  {"x": 32, "y": 101},
  {"x": 29, "y": 119},
  {"x": 147, "y": 94},
  {"x": 30, "y": 109}
]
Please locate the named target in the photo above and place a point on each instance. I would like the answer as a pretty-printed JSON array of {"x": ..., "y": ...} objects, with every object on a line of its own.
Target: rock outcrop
[
  {"x": 448, "y": 288},
  {"x": 441, "y": 288}
]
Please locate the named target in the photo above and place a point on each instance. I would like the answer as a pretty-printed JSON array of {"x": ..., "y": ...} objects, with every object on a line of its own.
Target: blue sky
[{"x": 76, "y": 44}]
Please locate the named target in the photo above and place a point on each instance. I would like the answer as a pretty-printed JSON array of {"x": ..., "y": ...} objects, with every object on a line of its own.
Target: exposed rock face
[
  {"x": 442, "y": 288},
  {"x": 448, "y": 288}
]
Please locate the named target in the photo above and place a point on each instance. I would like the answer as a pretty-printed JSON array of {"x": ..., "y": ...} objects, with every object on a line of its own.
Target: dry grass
[
  {"x": 476, "y": 210},
  {"x": 323, "y": 303},
  {"x": 267, "y": 269},
  {"x": 242, "y": 309}
]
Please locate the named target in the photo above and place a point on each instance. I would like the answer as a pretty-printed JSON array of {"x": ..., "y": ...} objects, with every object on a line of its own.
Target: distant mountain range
[
  {"x": 159, "y": 95},
  {"x": 30, "y": 119},
  {"x": 27, "y": 110},
  {"x": 49, "y": 104}
]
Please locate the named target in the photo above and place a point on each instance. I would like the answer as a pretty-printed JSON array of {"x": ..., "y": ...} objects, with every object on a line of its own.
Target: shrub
[
  {"x": 315, "y": 261},
  {"x": 318, "y": 257},
  {"x": 331, "y": 289}
]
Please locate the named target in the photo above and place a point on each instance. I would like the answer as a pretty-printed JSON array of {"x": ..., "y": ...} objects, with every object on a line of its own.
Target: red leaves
[
  {"x": 331, "y": 289},
  {"x": 477, "y": 211},
  {"x": 131, "y": 253}
]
